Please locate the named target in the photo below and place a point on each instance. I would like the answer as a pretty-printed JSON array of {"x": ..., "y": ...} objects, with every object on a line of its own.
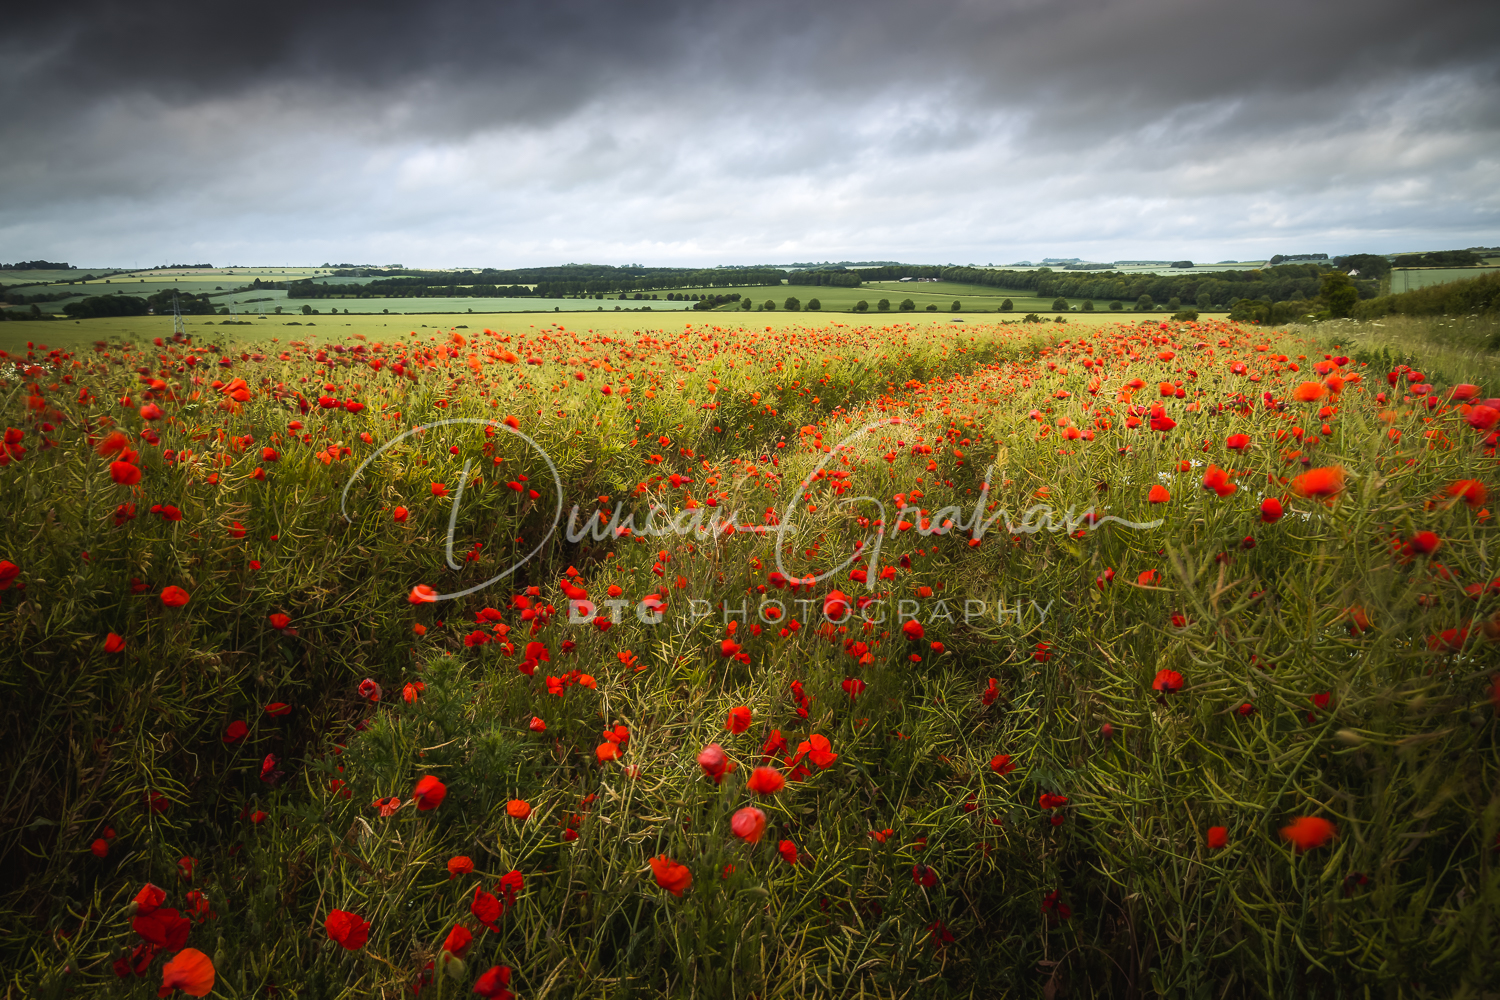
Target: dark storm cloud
[{"x": 713, "y": 127}]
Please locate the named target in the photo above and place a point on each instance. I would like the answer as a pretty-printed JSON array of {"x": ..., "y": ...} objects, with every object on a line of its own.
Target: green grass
[{"x": 1387, "y": 732}]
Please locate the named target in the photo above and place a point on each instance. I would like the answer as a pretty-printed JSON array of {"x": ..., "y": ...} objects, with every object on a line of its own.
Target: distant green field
[
  {"x": 942, "y": 294},
  {"x": 1406, "y": 279}
]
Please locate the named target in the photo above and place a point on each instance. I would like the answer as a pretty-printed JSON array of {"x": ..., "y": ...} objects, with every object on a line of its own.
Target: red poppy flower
[
  {"x": 765, "y": 781},
  {"x": 100, "y": 848},
  {"x": 458, "y": 940},
  {"x": 8, "y": 573},
  {"x": 399, "y": 514},
  {"x": 606, "y": 752},
  {"x": 913, "y": 630},
  {"x": 1050, "y": 801},
  {"x": 1307, "y": 832},
  {"x": 537, "y": 725},
  {"x": 739, "y": 720},
  {"x": 459, "y": 865},
  {"x": 836, "y": 606},
  {"x": 124, "y": 473},
  {"x": 1319, "y": 483},
  {"x": 429, "y": 793},
  {"x": 174, "y": 597},
  {"x": 492, "y": 983},
  {"x": 1158, "y": 494},
  {"x": 1167, "y": 681},
  {"x": 714, "y": 763},
  {"x": 279, "y": 620},
  {"x": 278, "y": 708},
  {"x": 1271, "y": 510},
  {"x": 346, "y": 929},
  {"x": 486, "y": 908},
  {"x": 1218, "y": 836},
  {"x": 1149, "y": 578},
  {"x": 1001, "y": 764},
  {"x": 1217, "y": 479},
  {"x": 923, "y": 875},
  {"x": 190, "y": 971},
  {"x": 163, "y": 927},
  {"x": 670, "y": 875},
  {"x": 439, "y": 490},
  {"x": 1237, "y": 442},
  {"x": 788, "y": 852},
  {"x": 369, "y": 690},
  {"x": 269, "y": 454},
  {"x": 422, "y": 594},
  {"x": 748, "y": 824},
  {"x": 113, "y": 643},
  {"x": 1471, "y": 491},
  {"x": 518, "y": 809}
]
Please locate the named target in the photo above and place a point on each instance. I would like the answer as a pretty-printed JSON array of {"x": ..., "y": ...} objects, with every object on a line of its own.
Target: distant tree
[
  {"x": 791, "y": 305},
  {"x": 1144, "y": 303},
  {"x": 1339, "y": 292},
  {"x": 955, "y": 307},
  {"x": 307, "y": 310},
  {"x": 861, "y": 306},
  {"x": 907, "y": 305},
  {"x": 769, "y": 306},
  {"x": 1204, "y": 300},
  {"x": 1368, "y": 265},
  {"x": 1088, "y": 305},
  {"x": 932, "y": 307},
  {"x": 814, "y": 305},
  {"x": 1174, "y": 303},
  {"x": 746, "y": 305},
  {"x": 884, "y": 305},
  {"x": 1059, "y": 304},
  {"x": 1182, "y": 264},
  {"x": 1116, "y": 305},
  {"x": 1007, "y": 306}
]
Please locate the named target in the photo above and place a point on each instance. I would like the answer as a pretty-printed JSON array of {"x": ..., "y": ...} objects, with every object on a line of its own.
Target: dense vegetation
[
  {"x": 1471, "y": 295},
  {"x": 1246, "y": 746}
]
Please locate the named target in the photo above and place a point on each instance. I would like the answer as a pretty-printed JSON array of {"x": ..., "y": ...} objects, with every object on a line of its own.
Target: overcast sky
[{"x": 450, "y": 133}]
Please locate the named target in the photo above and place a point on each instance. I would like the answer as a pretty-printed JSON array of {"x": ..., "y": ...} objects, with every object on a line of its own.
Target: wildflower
[
  {"x": 765, "y": 781},
  {"x": 1217, "y": 479},
  {"x": 386, "y": 807},
  {"x": 670, "y": 875},
  {"x": 346, "y": 929},
  {"x": 1471, "y": 491},
  {"x": 492, "y": 983},
  {"x": 235, "y": 731},
  {"x": 788, "y": 852},
  {"x": 281, "y": 621},
  {"x": 1054, "y": 908},
  {"x": 368, "y": 689},
  {"x": 124, "y": 474},
  {"x": 1158, "y": 494},
  {"x": 1001, "y": 764},
  {"x": 1218, "y": 836},
  {"x": 714, "y": 763},
  {"x": 1307, "y": 832},
  {"x": 913, "y": 630},
  {"x": 174, "y": 597},
  {"x": 459, "y": 865},
  {"x": 1319, "y": 483},
  {"x": 607, "y": 752},
  {"x": 429, "y": 793},
  {"x": 748, "y": 824},
  {"x": 739, "y": 720},
  {"x": 1237, "y": 442},
  {"x": 422, "y": 594},
  {"x": 537, "y": 725},
  {"x": 190, "y": 971},
  {"x": 1167, "y": 681},
  {"x": 1271, "y": 510},
  {"x": 113, "y": 643},
  {"x": 100, "y": 848},
  {"x": 518, "y": 809},
  {"x": 399, "y": 515},
  {"x": 278, "y": 708},
  {"x": 439, "y": 490},
  {"x": 923, "y": 875}
]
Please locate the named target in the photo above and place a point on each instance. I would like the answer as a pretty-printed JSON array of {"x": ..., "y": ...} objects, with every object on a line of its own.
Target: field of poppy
[{"x": 836, "y": 660}]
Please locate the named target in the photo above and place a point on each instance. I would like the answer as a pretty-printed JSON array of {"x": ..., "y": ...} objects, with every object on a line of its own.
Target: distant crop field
[{"x": 1406, "y": 279}]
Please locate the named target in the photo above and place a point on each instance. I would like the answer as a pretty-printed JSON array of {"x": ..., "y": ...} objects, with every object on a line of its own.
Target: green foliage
[
  {"x": 814, "y": 305},
  {"x": 907, "y": 305},
  {"x": 861, "y": 306},
  {"x": 1116, "y": 305},
  {"x": 1144, "y": 303},
  {"x": 791, "y": 304},
  {"x": 884, "y": 305},
  {"x": 1339, "y": 293},
  {"x": 1088, "y": 305},
  {"x": 956, "y": 307},
  {"x": 1007, "y": 306},
  {"x": 1474, "y": 295},
  {"x": 1059, "y": 305}
]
